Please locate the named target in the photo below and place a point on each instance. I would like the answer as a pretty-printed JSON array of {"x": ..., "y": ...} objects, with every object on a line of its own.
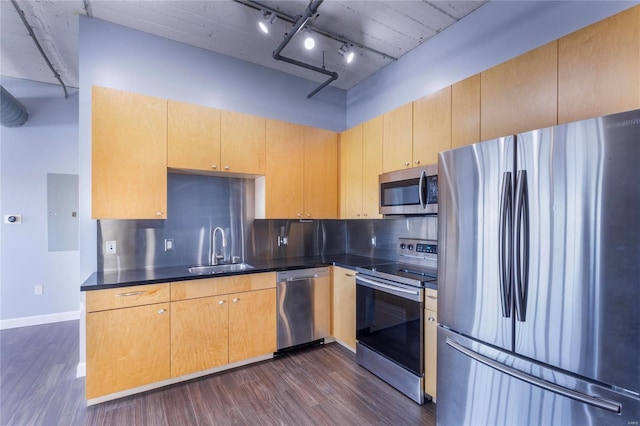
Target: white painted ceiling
[{"x": 229, "y": 27}]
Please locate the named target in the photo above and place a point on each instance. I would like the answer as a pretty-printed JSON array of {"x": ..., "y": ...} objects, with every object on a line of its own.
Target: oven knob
[
  {"x": 403, "y": 246},
  {"x": 410, "y": 247}
]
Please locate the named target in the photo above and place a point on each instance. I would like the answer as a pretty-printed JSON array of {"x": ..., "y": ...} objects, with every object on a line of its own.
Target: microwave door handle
[{"x": 421, "y": 189}]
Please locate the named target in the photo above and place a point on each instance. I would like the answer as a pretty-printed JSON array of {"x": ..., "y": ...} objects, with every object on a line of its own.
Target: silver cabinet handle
[
  {"x": 226, "y": 167},
  {"x": 215, "y": 166},
  {"x": 236, "y": 300},
  {"x": 417, "y": 161},
  {"x": 432, "y": 297},
  {"x": 308, "y": 214},
  {"x": 357, "y": 214},
  {"x": 349, "y": 275},
  {"x": 552, "y": 387},
  {"x": 162, "y": 311},
  {"x": 158, "y": 213},
  {"x": 365, "y": 215},
  {"x": 406, "y": 164},
  {"x": 299, "y": 214},
  {"x": 222, "y": 302},
  {"x": 131, "y": 293},
  {"x": 431, "y": 319}
]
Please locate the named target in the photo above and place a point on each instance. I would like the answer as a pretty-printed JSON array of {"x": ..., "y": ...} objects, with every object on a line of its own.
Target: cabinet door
[
  {"x": 397, "y": 144},
  {"x": 372, "y": 131},
  {"x": 343, "y": 305},
  {"x": 430, "y": 351},
  {"x": 242, "y": 140},
  {"x": 193, "y": 139},
  {"x": 252, "y": 324},
  {"x": 320, "y": 173},
  {"x": 199, "y": 334},
  {"x": 599, "y": 68},
  {"x": 465, "y": 112},
  {"x": 431, "y": 126},
  {"x": 351, "y": 173},
  {"x": 127, "y": 348},
  {"x": 520, "y": 94},
  {"x": 129, "y": 155},
  {"x": 284, "y": 170}
]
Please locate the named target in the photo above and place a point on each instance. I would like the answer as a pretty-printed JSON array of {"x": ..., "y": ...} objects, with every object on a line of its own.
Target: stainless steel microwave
[{"x": 410, "y": 191}]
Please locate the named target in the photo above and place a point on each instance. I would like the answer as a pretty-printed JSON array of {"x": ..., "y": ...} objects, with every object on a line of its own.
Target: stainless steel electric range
[{"x": 390, "y": 315}]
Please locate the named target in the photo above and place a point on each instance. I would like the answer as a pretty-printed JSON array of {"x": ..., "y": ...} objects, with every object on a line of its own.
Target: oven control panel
[{"x": 415, "y": 248}]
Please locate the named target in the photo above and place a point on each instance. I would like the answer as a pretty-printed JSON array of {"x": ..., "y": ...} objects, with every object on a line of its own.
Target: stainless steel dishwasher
[{"x": 303, "y": 306}]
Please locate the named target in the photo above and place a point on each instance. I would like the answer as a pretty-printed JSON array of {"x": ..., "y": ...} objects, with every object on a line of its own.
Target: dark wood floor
[{"x": 316, "y": 386}]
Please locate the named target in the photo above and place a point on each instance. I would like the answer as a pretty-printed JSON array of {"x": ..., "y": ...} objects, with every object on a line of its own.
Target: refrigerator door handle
[
  {"x": 505, "y": 243},
  {"x": 605, "y": 404},
  {"x": 521, "y": 245}
]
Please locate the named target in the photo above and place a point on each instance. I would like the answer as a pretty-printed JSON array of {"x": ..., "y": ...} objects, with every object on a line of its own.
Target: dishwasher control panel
[{"x": 302, "y": 274}]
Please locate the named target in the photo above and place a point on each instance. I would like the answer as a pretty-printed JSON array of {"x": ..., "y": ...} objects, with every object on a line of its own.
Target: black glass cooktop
[{"x": 414, "y": 275}]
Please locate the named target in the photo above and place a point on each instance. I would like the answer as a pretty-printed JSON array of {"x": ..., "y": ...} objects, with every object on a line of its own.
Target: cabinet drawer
[
  {"x": 222, "y": 285},
  {"x": 431, "y": 299},
  {"x": 124, "y": 297}
]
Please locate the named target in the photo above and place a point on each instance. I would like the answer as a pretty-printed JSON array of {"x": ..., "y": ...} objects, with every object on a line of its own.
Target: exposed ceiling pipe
[
  {"x": 311, "y": 10},
  {"x": 12, "y": 112},
  {"x": 35, "y": 40}
]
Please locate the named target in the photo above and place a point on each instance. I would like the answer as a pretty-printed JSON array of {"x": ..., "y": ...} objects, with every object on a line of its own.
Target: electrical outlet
[
  {"x": 38, "y": 290},
  {"x": 110, "y": 247},
  {"x": 168, "y": 244},
  {"x": 373, "y": 241}
]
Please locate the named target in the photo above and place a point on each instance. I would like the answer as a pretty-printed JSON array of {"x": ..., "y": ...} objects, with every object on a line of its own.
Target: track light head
[
  {"x": 268, "y": 18},
  {"x": 347, "y": 53}
]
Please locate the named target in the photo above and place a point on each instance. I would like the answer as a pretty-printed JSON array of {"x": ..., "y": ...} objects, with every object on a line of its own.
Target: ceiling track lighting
[
  {"x": 268, "y": 18},
  {"x": 347, "y": 53}
]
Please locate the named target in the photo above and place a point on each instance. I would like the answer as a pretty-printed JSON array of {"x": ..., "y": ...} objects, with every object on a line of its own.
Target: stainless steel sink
[{"x": 218, "y": 269}]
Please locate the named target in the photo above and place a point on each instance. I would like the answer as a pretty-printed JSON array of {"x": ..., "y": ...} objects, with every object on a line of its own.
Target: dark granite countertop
[{"x": 126, "y": 278}]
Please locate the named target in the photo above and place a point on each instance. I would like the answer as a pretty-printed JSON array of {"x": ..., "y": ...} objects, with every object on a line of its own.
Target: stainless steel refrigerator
[{"x": 539, "y": 277}]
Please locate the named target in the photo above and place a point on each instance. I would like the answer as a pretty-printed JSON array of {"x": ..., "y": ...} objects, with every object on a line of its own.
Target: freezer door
[
  {"x": 474, "y": 185},
  {"x": 480, "y": 385},
  {"x": 583, "y": 184}
]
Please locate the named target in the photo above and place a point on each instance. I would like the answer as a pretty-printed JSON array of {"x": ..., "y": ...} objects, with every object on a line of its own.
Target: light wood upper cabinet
[
  {"x": 252, "y": 324},
  {"x": 431, "y": 126},
  {"x": 397, "y": 145},
  {"x": 351, "y": 173},
  {"x": 599, "y": 68},
  {"x": 129, "y": 155},
  {"x": 372, "y": 134},
  {"x": 302, "y": 172},
  {"x": 199, "y": 334},
  {"x": 320, "y": 173},
  {"x": 242, "y": 140},
  {"x": 343, "y": 306},
  {"x": 360, "y": 165},
  {"x": 193, "y": 137},
  {"x": 465, "y": 112},
  {"x": 520, "y": 94},
  {"x": 130, "y": 346},
  {"x": 284, "y": 170}
]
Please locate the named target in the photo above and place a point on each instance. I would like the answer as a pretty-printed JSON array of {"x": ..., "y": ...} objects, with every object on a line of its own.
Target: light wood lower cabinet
[
  {"x": 430, "y": 342},
  {"x": 126, "y": 347},
  {"x": 343, "y": 305},
  {"x": 252, "y": 324},
  {"x": 210, "y": 328},
  {"x": 142, "y": 335},
  {"x": 199, "y": 334}
]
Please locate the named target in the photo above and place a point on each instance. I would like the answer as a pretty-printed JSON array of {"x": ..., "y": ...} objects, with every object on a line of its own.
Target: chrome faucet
[{"x": 215, "y": 257}]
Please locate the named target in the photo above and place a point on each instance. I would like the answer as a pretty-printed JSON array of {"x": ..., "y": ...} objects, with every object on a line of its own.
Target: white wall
[
  {"x": 46, "y": 143},
  {"x": 492, "y": 34}
]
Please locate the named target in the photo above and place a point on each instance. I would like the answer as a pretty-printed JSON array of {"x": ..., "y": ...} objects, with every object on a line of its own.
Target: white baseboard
[
  {"x": 39, "y": 320},
  {"x": 81, "y": 370}
]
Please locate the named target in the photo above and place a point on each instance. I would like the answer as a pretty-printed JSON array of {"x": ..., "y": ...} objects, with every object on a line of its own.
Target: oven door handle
[{"x": 387, "y": 286}]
